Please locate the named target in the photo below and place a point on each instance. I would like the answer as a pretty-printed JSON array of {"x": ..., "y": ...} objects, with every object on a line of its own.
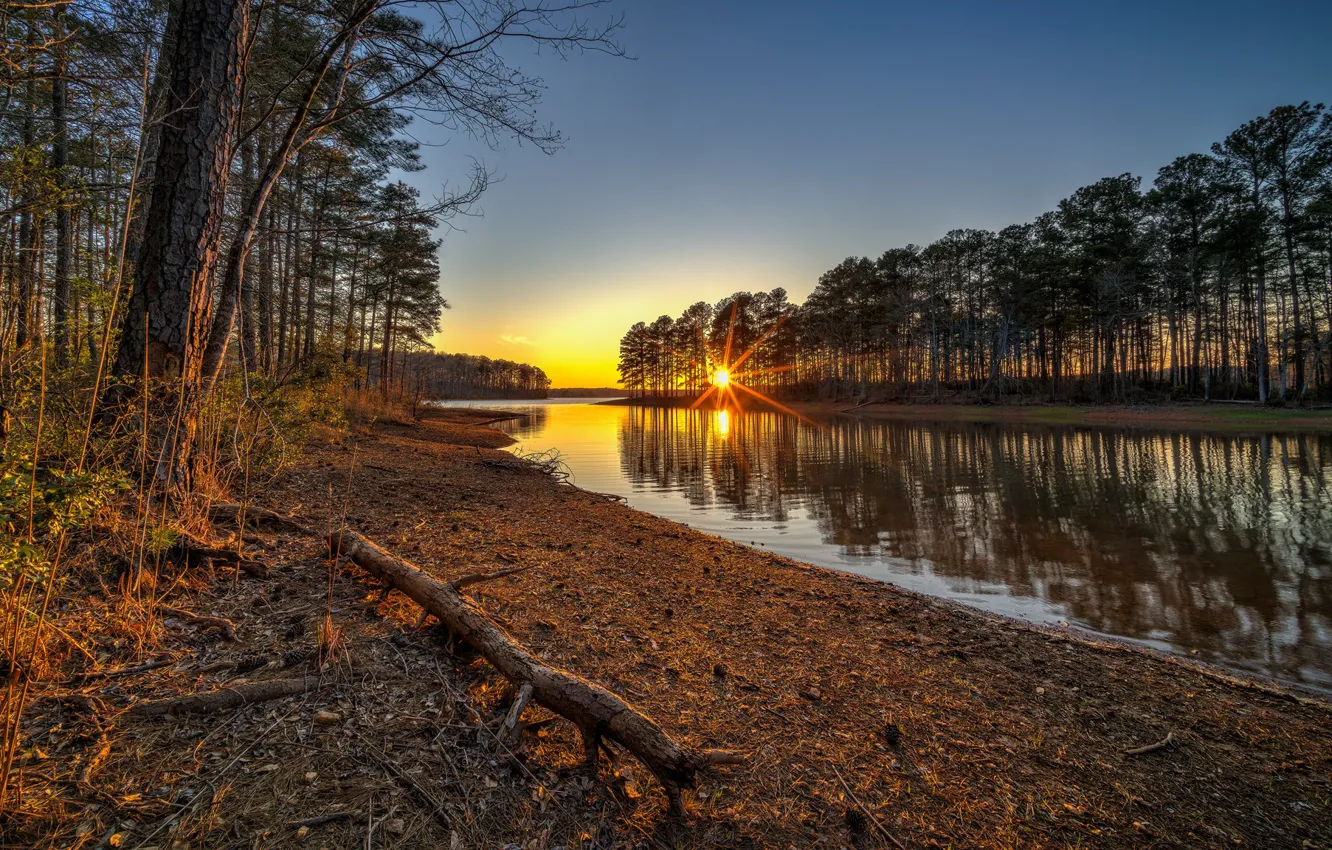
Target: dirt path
[{"x": 872, "y": 717}]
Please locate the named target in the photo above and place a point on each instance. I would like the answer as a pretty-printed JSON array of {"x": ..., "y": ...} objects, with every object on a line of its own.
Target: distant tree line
[
  {"x": 442, "y": 376},
  {"x": 1214, "y": 283}
]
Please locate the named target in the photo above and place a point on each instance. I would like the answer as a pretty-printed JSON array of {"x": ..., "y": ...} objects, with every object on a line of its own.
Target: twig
[
  {"x": 499, "y": 419},
  {"x": 402, "y": 776},
  {"x": 319, "y": 820},
  {"x": 225, "y": 698},
  {"x": 103, "y": 750},
  {"x": 478, "y": 578},
  {"x": 1168, "y": 741},
  {"x": 83, "y": 678},
  {"x": 227, "y": 628},
  {"x": 883, "y": 830}
]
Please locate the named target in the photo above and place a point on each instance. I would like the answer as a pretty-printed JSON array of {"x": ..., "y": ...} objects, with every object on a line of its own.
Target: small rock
[
  {"x": 327, "y": 718},
  {"x": 812, "y": 694},
  {"x": 311, "y": 777},
  {"x": 395, "y": 827},
  {"x": 302, "y": 832},
  {"x": 1040, "y": 692}
]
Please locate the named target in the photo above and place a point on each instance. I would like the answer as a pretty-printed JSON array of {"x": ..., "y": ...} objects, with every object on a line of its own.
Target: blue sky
[{"x": 750, "y": 145}]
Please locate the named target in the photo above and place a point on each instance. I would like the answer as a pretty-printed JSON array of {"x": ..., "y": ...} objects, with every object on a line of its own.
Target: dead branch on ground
[
  {"x": 254, "y": 517},
  {"x": 222, "y": 624},
  {"x": 196, "y": 553},
  {"x": 226, "y": 698},
  {"x": 1168, "y": 741},
  {"x": 593, "y": 709}
]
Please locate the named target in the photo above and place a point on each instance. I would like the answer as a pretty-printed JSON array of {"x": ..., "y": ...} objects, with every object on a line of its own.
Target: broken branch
[
  {"x": 592, "y": 708},
  {"x": 477, "y": 578},
  {"x": 226, "y": 698},
  {"x": 196, "y": 553},
  {"x": 509, "y": 729},
  {"x": 207, "y": 622},
  {"x": 254, "y": 517},
  {"x": 1167, "y": 741}
]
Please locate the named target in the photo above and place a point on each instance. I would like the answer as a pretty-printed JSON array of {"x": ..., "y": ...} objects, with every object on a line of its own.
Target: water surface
[{"x": 1213, "y": 545}]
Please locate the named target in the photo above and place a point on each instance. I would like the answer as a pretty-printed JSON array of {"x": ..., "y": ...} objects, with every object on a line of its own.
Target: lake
[{"x": 1214, "y": 546}]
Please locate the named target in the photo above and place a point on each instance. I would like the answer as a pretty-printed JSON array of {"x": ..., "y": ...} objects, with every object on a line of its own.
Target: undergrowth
[{"x": 93, "y": 504}]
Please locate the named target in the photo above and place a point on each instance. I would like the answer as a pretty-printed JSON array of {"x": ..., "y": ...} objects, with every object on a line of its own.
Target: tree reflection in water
[{"x": 1212, "y": 543}]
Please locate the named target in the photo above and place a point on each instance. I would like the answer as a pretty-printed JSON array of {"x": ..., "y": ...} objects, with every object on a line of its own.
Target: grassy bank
[
  {"x": 870, "y": 716},
  {"x": 1217, "y": 417}
]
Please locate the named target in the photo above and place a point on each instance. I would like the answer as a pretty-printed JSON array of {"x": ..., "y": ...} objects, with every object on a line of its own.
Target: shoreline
[
  {"x": 829, "y": 660},
  {"x": 1210, "y": 417},
  {"x": 1105, "y": 641},
  {"x": 864, "y": 709}
]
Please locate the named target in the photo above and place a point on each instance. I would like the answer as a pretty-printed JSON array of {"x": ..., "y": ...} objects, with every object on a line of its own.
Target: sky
[{"x": 750, "y": 145}]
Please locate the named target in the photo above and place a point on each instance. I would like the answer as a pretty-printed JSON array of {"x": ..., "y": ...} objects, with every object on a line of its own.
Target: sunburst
[{"x": 726, "y": 377}]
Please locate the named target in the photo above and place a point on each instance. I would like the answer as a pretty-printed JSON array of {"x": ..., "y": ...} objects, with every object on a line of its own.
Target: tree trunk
[
  {"x": 293, "y": 139},
  {"x": 59, "y": 167},
  {"x": 266, "y": 296},
  {"x": 249, "y": 325},
  {"x": 166, "y": 325},
  {"x": 27, "y": 236}
]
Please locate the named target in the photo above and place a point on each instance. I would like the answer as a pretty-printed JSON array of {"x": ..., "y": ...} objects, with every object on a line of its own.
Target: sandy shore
[{"x": 871, "y": 716}]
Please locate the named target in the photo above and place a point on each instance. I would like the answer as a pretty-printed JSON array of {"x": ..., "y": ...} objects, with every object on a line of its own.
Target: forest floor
[
  {"x": 870, "y": 716},
  {"x": 1175, "y": 416}
]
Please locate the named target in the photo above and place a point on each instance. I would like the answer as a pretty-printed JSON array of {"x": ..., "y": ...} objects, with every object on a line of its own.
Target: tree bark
[{"x": 166, "y": 324}]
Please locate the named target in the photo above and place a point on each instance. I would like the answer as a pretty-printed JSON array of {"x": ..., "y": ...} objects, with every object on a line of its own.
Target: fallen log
[
  {"x": 227, "y": 698},
  {"x": 593, "y": 709}
]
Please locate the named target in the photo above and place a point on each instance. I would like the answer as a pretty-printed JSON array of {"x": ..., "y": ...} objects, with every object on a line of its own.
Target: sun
[{"x": 721, "y": 378}]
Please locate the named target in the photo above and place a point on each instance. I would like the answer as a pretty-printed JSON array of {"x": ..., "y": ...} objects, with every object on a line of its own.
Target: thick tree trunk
[
  {"x": 596, "y": 712},
  {"x": 166, "y": 324}
]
